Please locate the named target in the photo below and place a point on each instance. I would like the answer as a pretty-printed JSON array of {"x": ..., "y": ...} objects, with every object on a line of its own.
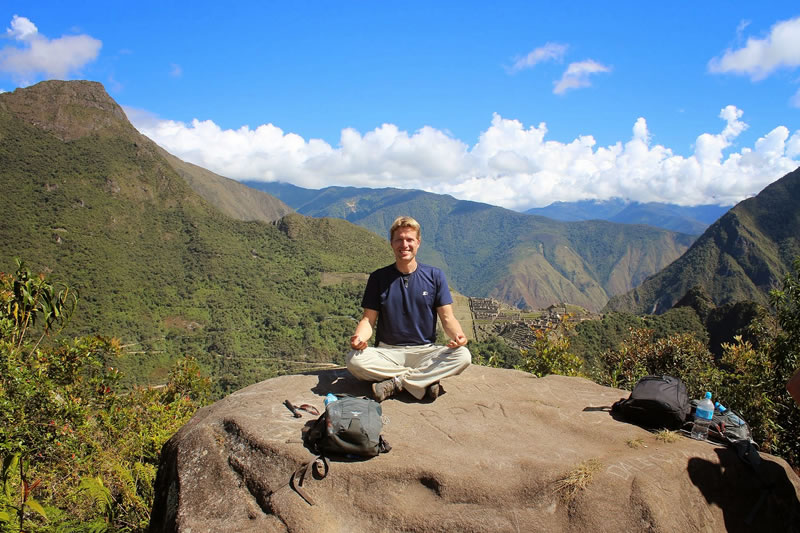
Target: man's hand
[
  {"x": 460, "y": 340},
  {"x": 356, "y": 343},
  {"x": 363, "y": 332}
]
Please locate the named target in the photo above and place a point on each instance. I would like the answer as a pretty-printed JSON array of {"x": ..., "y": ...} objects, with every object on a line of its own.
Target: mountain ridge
[
  {"x": 740, "y": 257},
  {"x": 693, "y": 220},
  {"x": 488, "y": 251}
]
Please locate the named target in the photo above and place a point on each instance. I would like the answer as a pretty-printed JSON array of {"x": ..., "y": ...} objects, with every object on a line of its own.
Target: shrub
[
  {"x": 680, "y": 355},
  {"x": 550, "y": 354},
  {"x": 79, "y": 453},
  {"x": 754, "y": 375}
]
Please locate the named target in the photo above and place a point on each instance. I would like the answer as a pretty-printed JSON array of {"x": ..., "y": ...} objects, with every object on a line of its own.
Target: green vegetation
[
  {"x": 495, "y": 352},
  {"x": 79, "y": 453},
  {"x": 166, "y": 272},
  {"x": 593, "y": 337},
  {"x": 750, "y": 376},
  {"x": 741, "y": 257},
  {"x": 550, "y": 354}
]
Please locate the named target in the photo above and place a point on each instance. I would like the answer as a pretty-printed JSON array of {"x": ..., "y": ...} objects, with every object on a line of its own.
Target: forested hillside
[
  {"x": 740, "y": 257},
  {"x": 89, "y": 199},
  {"x": 524, "y": 260}
]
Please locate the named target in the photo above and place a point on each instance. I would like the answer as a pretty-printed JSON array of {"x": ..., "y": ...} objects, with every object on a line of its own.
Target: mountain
[
  {"x": 101, "y": 207},
  {"x": 227, "y": 195},
  {"x": 740, "y": 257},
  {"x": 525, "y": 260},
  {"x": 692, "y": 220}
]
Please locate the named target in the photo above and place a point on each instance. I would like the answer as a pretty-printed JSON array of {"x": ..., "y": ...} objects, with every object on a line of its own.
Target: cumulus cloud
[
  {"x": 577, "y": 75},
  {"x": 548, "y": 52},
  {"x": 511, "y": 165},
  {"x": 32, "y": 54},
  {"x": 761, "y": 57}
]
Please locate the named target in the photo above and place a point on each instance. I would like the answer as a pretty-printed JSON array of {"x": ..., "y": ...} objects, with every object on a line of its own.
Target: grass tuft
[
  {"x": 667, "y": 436},
  {"x": 636, "y": 443},
  {"x": 578, "y": 479}
]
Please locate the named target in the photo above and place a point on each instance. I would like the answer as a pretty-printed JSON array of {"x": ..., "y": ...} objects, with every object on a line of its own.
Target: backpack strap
[
  {"x": 384, "y": 445},
  {"x": 319, "y": 467},
  {"x": 616, "y": 407}
]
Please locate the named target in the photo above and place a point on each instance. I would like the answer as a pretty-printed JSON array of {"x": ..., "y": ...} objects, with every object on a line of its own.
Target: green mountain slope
[
  {"x": 524, "y": 260},
  {"x": 89, "y": 199},
  {"x": 740, "y": 257},
  {"x": 227, "y": 195}
]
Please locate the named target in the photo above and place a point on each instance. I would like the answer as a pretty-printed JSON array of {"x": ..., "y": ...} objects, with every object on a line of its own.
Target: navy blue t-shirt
[{"x": 406, "y": 303}]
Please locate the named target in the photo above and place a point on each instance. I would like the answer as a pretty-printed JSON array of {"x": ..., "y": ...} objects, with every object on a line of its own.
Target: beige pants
[{"x": 417, "y": 367}]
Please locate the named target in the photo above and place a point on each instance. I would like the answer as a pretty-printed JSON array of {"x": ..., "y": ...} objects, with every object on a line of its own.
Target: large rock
[{"x": 500, "y": 451}]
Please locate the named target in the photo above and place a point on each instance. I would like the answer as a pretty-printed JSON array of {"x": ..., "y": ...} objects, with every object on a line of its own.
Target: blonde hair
[{"x": 404, "y": 222}]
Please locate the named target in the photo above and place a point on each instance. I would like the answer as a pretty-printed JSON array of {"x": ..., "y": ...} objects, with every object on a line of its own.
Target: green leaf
[
  {"x": 36, "y": 506},
  {"x": 9, "y": 465},
  {"x": 5, "y": 517}
]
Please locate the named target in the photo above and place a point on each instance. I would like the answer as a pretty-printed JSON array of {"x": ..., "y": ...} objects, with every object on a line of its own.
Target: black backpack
[
  {"x": 350, "y": 427},
  {"x": 656, "y": 402}
]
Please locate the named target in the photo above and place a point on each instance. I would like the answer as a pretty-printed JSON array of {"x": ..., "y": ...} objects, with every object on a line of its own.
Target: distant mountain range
[
  {"x": 740, "y": 257},
  {"x": 524, "y": 260},
  {"x": 168, "y": 256},
  {"x": 691, "y": 220}
]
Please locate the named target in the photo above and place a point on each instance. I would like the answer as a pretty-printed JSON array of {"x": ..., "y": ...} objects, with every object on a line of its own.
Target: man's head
[
  {"x": 405, "y": 236},
  {"x": 404, "y": 222}
]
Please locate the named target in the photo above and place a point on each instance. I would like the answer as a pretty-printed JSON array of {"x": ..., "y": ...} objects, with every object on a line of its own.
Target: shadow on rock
[
  {"x": 338, "y": 381},
  {"x": 760, "y": 498}
]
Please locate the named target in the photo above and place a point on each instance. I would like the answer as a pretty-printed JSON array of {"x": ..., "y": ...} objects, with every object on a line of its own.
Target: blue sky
[{"x": 517, "y": 104}]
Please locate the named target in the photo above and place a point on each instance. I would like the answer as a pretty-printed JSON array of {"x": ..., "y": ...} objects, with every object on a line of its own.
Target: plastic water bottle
[
  {"x": 330, "y": 397},
  {"x": 702, "y": 418},
  {"x": 731, "y": 417}
]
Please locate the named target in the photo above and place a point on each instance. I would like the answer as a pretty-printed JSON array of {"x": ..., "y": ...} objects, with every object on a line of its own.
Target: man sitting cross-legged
[{"x": 405, "y": 299}]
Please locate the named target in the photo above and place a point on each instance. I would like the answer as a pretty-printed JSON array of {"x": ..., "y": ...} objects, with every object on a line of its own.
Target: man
[{"x": 405, "y": 299}]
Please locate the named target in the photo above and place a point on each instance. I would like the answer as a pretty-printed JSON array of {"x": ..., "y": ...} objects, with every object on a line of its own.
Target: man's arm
[
  {"x": 451, "y": 326},
  {"x": 794, "y": 386},
  {"x": 364, "y": 329}
]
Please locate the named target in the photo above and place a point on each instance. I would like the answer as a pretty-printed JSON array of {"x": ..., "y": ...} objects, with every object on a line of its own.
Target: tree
[{"x": 78, "y": 452}]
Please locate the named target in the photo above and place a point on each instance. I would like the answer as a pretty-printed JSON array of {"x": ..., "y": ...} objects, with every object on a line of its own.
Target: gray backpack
[{"x": 350, "y": 427}]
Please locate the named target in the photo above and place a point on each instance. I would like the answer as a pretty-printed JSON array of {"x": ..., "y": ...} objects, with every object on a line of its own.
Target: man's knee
[
  {"x": 463, "y": 357},
  {"x": 354, "y": 361}
]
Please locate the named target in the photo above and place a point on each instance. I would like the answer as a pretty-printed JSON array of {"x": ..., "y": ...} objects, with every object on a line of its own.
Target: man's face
[{"x": 405, "y": 244}]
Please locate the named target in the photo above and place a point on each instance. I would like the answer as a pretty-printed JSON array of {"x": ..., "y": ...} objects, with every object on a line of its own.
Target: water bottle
[
  {"x": 730, "y": 416},
  {"x": 330, "y": 397},
  {"x": 702, "y": 418}
]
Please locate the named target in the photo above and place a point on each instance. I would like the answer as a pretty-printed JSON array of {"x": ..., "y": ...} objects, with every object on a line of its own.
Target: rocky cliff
[{"x": 500, "y": 451}]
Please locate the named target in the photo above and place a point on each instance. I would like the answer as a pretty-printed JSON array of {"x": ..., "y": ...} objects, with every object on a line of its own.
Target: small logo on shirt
[{"x": 424, "y": 293}]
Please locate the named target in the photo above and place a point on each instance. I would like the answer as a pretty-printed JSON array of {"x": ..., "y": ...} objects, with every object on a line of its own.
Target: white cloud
[
  {"x": 548, "y": 52},
  {"x": 794, "y": 101},
  {"x": 761, "y": 57},
  {"x": 21, "y": 28},
  {"x": 510, "y": 165},
  {"x": 35, "y": 55},
  {"x": 743, "y": 24},
  {"x": 577, "y": 75}
]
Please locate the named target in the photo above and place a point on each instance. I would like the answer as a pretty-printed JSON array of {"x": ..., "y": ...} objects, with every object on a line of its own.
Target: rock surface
[{"x": 500, "y": 451}]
